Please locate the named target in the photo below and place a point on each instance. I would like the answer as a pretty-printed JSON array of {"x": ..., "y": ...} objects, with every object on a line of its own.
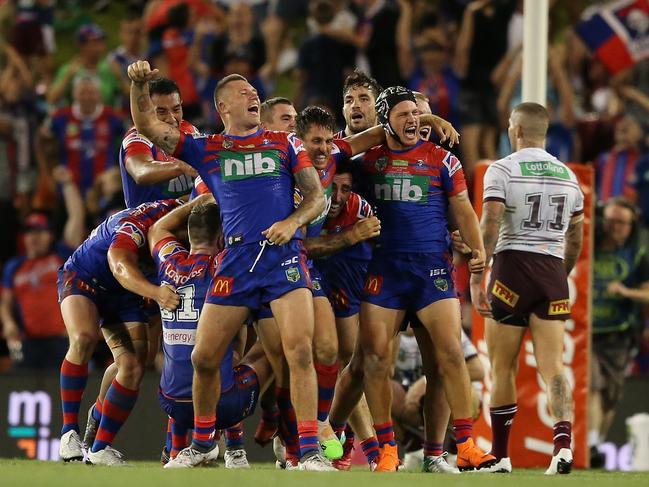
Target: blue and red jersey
[
  {"x": 339, "y": 153},
  {"x": 251, "y": 178},
  {"x": 135, "y": 194},
  {"x": 87, "y": 145},
  {"x": 191, "y": 275},
  {"x": 410, "y": 191},
  {"x": 615, "y": 174},
  {"x": 126, "y": 229},
  {"x": 442, "y": 90}
]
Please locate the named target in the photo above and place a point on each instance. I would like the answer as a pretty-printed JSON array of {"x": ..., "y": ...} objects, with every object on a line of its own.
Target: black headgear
[{"x": 387, "y": 100}]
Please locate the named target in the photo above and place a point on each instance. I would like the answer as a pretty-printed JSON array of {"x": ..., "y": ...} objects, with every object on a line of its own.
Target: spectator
[
  {"x": 87, "y": 133},
  {"x": 91, "y": 61},
  {"x": 29, "y": 309},
  {"x": 106, "y": 196},
  {"x": 129, "y": 51},
  {"x": 620, "y": 285},
  {"x": 615, "y": 170},
  {"x": 323, "y": 64},
  {"x": 481, "y": 45},
  {"x": 427, "y": 67}
]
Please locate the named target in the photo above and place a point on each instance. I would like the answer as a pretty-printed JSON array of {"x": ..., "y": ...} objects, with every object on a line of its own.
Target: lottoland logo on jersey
[
  {"x": 396, "y": 187},
  {"x": 544, "y": 168},
  {"x": 241, "y": 165}
]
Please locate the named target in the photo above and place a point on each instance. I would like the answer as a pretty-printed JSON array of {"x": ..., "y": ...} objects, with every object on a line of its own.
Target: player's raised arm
[
  {"x": 172, "y": 221},
  {"x": 160, "y": 133},
  {"x": 362, "y": 230},
  {"x": 574, "y": 239}
]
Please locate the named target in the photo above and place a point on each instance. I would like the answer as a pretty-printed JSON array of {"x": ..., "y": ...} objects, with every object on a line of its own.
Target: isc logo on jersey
[
  {"x": 236, "y": 165},
  {"x": 401, "y": 187}
]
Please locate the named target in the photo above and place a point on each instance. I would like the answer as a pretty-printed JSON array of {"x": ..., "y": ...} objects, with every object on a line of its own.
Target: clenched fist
[
  {"x": 140, "y": 72},
  {"x": 167, "y": 298},
  {"x": 366, "y": 228}
]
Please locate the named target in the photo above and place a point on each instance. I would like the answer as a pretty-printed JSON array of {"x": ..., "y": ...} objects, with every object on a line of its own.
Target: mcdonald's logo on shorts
[
  {"x": 222, "y": 286},
  {"x": 505, "y": 294},
  {"x": 373, "y": 284},
  {"x": 560, "y": 307}
]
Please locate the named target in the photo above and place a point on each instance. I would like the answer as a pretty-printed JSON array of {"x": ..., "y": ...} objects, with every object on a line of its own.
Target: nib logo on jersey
[
  {"x": 29, "y": 418},
  {"x": 235, "y": 165},
  {"x": 401, "y": 187}
]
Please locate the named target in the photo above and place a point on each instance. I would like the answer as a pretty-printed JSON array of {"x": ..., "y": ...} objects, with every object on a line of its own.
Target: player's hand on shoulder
[
  {"x": 280, "y": 232},
  {"x": 167, "y": 298},
  {"x": 141, "y": 72},
  {"x": 366, "y": 229}
]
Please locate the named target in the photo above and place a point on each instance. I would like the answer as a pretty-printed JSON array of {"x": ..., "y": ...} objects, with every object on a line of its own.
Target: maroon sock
[
  {"x": 562, "y": 435},
  {"x": 502, "y": 418}
]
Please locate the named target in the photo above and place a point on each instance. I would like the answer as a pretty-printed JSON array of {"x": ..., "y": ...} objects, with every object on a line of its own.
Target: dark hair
[
  {"x": 345, "y": 167},
  {"x": 204, "y": 223},
  {"x": 178, "y": 16},
  {"x": 314, "y": 116},
  {"x": 163, "y": 86},
  {"x": 224, "y": 81},
  {"x": 322, "y": 11},
  {"x": 266, "y": 109},
  {"x": 360, "y": 78},
  {"x": 622, "y": 202}
]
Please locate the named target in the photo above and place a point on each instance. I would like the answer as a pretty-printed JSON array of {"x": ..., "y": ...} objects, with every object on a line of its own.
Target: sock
[
  {"x": 96, "y": 411},
  {"x": 385, "y": 434},
  {"x": 370, "y": 448},
  {"x": 463, "y": 428},
  {"x": 327, "y": 376},
  {"x": 270, "y": 416},
  {"x": 308, "y": 435},
  {"x": 502, "y": 418},
  {"x": 288, "y": 423},
  {"x": 339, "y": 428},
  {"x": 73, "y": 382},
  {"x": 168, "y": 444},
  {"x": 562, "y": 435},
  {"x": 432, "y": 449},
  {"x": 116, "y": 408},
  {"x": 178, "y": 438},
  {"x": 204, "y": 432},
  {"x": 349, "y": 438},
  {"x": 234, "y": 437},
  {"x": 594, "y": 438}
]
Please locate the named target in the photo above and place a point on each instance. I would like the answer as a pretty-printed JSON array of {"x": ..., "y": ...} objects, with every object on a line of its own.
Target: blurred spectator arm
[
  {"x": 299, "y": 78},
  {"x": 465, "y": 38},
  {"x": 507, "y": 89},
  {"x": 19, "y": 66},
  {"x": 10, "y": 328},
  {"x": 559, "y": 77},
  {"x": 62, "y": 81},
  {"x": 74, "y": 231},
  {"x": 404, "y": 39},
  {"x": 631, "y": 93}
]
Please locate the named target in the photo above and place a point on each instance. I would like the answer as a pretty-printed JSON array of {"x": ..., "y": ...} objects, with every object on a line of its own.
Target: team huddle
[{"x": 297, "y": 260}]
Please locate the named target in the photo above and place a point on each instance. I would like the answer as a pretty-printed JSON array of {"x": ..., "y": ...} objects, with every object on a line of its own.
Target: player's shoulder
[
  {"x": 132, "y": 136},
  {"x": 187, "y": 128},
  {"x": 170, "y": 249},
  {"x": 12, "y": 265}
]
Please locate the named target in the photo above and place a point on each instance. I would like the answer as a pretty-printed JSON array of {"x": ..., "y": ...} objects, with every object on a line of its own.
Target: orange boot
[
  {"x": 388, "y": 459},
  {"x": 470, "y": 457}
]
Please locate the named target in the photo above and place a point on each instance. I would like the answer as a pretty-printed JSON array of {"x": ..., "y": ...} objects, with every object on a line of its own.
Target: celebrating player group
[{"x": 277, "y": 262}]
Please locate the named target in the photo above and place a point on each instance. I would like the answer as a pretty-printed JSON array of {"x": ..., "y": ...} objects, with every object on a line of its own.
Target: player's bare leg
[
  {"x": 325, "y": 351},
  {"x": 81, "y": 320},
  {"x": 378, "y": 328},
  {"x": 436, "y": 409},
  {"x": 290, "y": 310},
  {"x": 443, "y": 323},
  {"x": 547, "y": 336},
  {"x": 349, "y": 388}
]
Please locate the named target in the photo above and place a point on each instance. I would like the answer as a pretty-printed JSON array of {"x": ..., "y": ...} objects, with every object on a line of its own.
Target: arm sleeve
[
  {"x": 191, "y": 149},
  {"x": 129, "y": 235},
  {"x": 166, "y": 249},
  {"x": 364, "y": 208},
  {"x": 452, "y": 175},
  {"x": 9, "y": 272},
  {"x": 345, "y": 150},
  {"x": 298, "y": 159},
  {"x": 495, "y": 183},
  {"x": 135, "y": 143}
]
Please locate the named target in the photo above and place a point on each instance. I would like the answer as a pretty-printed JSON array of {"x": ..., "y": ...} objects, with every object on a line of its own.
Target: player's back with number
[
  {"x": 190, "y": 274},
  {"x": 541, "y": 194}
]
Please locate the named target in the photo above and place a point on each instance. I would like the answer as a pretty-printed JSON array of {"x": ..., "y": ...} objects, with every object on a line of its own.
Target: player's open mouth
[
  {"x": 357, "y": 116},
  {"x": 411, "y": 131},
  {"x": 253, "y": 109}
]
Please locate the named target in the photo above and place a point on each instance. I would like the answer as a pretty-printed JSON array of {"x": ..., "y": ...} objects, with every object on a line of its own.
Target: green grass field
[{"x": 149, "y": 474}]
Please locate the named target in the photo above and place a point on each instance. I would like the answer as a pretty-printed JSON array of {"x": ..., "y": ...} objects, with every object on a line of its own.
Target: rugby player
[
  {"x": 532, "y": 225},
  {"x": 412, "y": 182},
  {"x": 252, "y": 174},
  {"x": 149, "y": 173},
  {"x": 278, "y": 114},
  {"x": 190, "y": 272},
  {"x": 101, "y": 288}
]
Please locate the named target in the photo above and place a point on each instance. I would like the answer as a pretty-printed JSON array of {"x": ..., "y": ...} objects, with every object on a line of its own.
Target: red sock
[
  {"x": 502, "y": 418},
  {"x": 463, "y": 429},
  {"x": 385, "y": 433},
  {"x": 327, "y": 376},
  {"x": 73, "y": 383},
  {"x": 562, "y": 435},
  {"x": 432, "y": 449},
  {"x": 308, "y": 435}
]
